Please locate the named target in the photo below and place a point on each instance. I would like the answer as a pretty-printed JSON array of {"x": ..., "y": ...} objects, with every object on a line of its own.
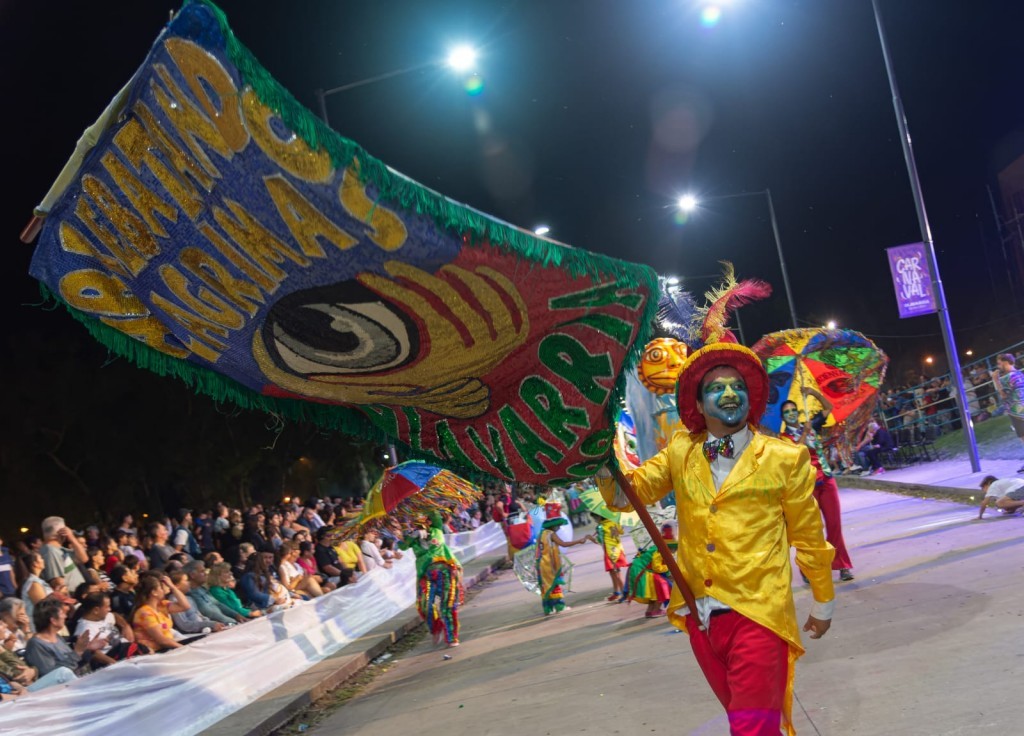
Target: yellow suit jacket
[{"x": 734, "y": 543}]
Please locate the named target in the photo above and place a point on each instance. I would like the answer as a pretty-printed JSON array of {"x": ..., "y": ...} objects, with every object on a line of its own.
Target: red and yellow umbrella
[
  {"x": 843, "y": 365},
  {"x": 410, "y": 490}
]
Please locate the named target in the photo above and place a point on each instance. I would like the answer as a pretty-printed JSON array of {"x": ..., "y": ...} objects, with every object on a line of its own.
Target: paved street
[{"x": 926, "y": 641}]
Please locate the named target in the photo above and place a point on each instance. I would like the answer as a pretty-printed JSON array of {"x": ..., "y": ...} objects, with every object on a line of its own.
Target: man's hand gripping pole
[{"x": 659, "y": 541}]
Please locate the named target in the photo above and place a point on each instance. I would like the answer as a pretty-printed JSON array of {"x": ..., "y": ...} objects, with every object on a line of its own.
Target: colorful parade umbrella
[
  {"x": 591, "y": 499},
  {"x": 212, "y": 229},
  {"x": 410, "y": 490},
  {"x": 843, "y": 365}
]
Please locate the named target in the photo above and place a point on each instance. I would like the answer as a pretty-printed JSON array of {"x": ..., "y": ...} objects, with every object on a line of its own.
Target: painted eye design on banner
[{"x": 338, "y": 329}]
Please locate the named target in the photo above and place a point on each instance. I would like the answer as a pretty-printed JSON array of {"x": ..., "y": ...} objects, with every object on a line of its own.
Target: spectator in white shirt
[{"x": 371, "y": 551}]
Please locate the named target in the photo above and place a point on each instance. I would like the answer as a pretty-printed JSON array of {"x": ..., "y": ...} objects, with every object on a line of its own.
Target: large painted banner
[
  {"x": 912, "y": 280},
  {"x": 215, "y": 230}
]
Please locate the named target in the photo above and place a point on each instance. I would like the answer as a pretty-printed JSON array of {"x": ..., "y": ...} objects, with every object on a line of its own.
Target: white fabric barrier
[
  {"x": 189, "y": 689},
  {"x": 468, "y": 545}
]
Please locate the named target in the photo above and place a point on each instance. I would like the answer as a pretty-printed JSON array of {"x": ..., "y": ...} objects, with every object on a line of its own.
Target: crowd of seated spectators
[
  {"x": 74, "y": 601},
  {"x": 928, "y": 408}
]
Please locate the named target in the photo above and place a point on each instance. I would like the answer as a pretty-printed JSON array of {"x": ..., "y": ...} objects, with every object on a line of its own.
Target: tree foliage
[{"x": 88, "y": 438}]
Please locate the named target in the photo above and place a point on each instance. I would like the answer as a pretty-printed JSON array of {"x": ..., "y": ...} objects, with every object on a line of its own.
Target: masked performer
[
  {"x": 439, "y": 591},
  {"x": 647, "y": 580},
  {"x": 550, "y": 566},
  {"x": 826, "y": 492},
  {"x": 743, "y": 498},
  {"x": 609, "y": 535}
]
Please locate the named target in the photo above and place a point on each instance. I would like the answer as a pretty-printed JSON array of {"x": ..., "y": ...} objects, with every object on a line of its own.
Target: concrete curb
[
  {"x": 276, "y": 708},
  {"x": 918, "y": 490}
]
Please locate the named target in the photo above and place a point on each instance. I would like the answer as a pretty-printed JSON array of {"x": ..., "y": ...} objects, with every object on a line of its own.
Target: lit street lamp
[
  {"x": 459, "y": 59},
  {"x": 689, "y": 202},
  {"x": 541, "y": 230},
  {"x": 831, "y": 324}
]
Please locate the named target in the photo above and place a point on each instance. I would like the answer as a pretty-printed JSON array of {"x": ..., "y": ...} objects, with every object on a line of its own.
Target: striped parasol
[{"x": 410, "y": 490}]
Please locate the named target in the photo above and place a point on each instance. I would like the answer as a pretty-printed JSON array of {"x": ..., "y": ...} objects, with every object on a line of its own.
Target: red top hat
[{"x": 721, "y": 348}]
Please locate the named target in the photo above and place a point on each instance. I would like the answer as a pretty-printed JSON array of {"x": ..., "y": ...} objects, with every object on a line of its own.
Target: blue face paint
[
  {"x": 791, "y": 416},
  {"x": 726, "y": 399}
]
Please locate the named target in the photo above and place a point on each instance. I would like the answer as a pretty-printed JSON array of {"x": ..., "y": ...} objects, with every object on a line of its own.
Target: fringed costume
[
  {"x": 609, "y": 536},
  {"x": 439, "y": 589},
  {"x": 646, "y": 579},
  {"x": 551, "y": 570}
]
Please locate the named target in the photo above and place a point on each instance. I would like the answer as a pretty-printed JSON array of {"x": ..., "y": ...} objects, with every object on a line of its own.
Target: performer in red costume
[{"x": 826, "y": 492}]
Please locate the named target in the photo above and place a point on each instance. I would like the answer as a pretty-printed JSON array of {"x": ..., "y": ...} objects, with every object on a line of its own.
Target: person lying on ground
[{"x": 1006, "y": 494}]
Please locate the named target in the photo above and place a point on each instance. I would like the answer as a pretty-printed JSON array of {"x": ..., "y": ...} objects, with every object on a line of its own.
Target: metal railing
[{"x": 926, "y": 417}]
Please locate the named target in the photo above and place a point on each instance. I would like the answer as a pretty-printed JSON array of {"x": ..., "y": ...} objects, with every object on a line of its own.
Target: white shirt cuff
[{"x": 823, "y": 611}]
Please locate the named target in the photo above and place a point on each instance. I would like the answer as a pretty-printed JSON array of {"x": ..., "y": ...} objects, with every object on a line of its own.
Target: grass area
[{"x": 996, "y": 441}]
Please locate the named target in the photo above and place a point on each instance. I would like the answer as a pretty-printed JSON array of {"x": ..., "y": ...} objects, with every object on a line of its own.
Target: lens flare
[
  {"x": 710, "y": 16},
  {"x": 474, "y": 85}
]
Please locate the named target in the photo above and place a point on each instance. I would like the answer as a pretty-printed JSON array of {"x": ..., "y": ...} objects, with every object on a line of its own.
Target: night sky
[{"x": 596, "y": 115}]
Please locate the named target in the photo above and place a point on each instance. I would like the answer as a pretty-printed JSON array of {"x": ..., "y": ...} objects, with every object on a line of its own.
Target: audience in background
[{"x": 137, "y": 595}]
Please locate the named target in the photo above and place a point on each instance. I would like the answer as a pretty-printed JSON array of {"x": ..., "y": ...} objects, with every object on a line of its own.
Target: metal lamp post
[
  {"x": 926, "y": 237},
  {"x": 461, "y": 58},
  {"x": 689, "y": 202}
]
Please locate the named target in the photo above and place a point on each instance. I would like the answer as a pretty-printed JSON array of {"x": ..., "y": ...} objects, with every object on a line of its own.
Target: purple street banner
[
  {"x": 219, "y": 232},
  {"x": 912, "y": 280}
]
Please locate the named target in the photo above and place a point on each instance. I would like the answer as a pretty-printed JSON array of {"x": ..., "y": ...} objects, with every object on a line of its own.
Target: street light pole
[
  {"x": 690, "y": 202},
  {"x": 323, "y": 94},
  {"x": 782, "y": 260},
  {"x": 926, "y": 236},
  {"x": 460, "y": 59}
]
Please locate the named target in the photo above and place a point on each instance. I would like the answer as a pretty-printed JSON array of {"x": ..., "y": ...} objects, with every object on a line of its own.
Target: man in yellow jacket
[{"x": 743, "y": 498}]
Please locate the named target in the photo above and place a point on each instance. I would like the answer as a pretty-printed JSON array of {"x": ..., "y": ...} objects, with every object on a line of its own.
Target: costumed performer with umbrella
[
  {"x": 826, "y": 492},
  {"x": 550, "y": 570},
  {"x": 743, "y": 498},
  {"x": 439, "y": 589}
]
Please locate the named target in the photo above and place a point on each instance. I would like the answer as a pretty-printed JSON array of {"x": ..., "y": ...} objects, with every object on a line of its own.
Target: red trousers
[
  {"x": 747, "y": 666},
  {"x": 826, "y": 494}
]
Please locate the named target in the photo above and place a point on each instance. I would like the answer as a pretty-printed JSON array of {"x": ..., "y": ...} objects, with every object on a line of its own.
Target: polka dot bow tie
[{"x": 714, "y": 448}]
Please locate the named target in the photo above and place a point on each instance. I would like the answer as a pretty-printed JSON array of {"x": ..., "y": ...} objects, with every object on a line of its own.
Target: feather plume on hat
[
  {"x": 677, "y": 314},
  {"x": 720, "y": 348},
  {"x": 725, "y": 299}
]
